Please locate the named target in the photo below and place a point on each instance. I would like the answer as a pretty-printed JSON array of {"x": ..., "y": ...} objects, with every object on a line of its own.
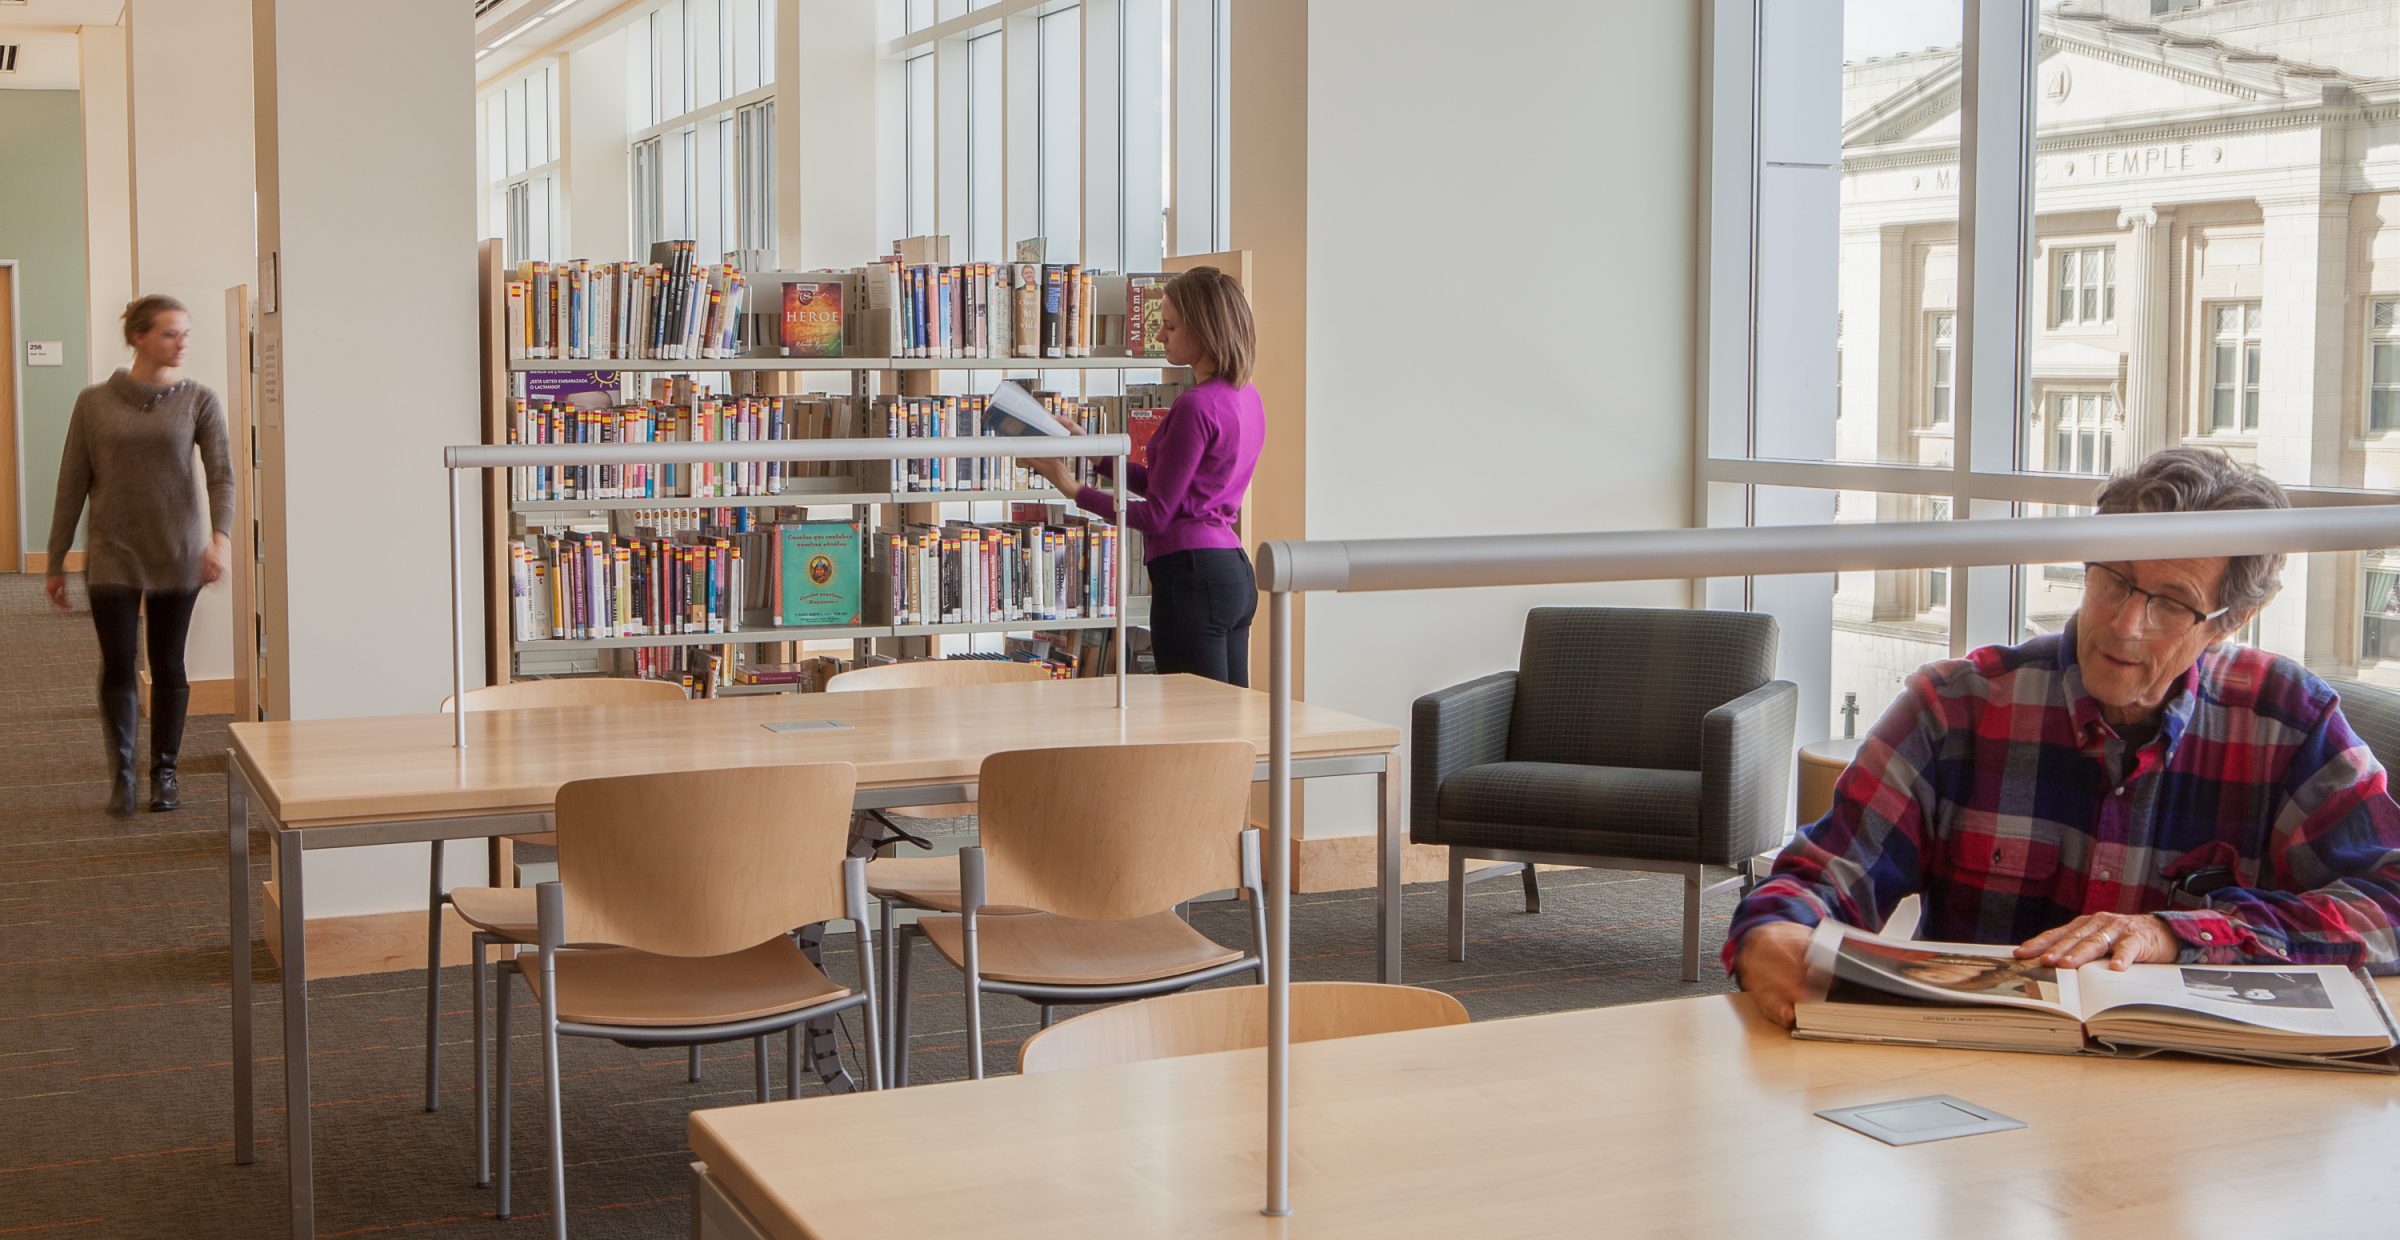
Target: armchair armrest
[
  {"x": 1746, "y": 772},
  {"x": 1450, "y": 730}
]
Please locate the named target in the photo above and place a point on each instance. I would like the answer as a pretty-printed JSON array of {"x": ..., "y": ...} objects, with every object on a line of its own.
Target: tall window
[
  {"x": 917, "y": 122},
  {"x": 701, "y": 147},
  {"x": 2233, "y": 368},
  {"x": 2079, "y": 434},
  {"x": 1062, "y": 134},
  {"x": 2085, "y": 280},
  {"x": 987, "y": 181},
  {"x": 2383, "y": 365},
  {"x": 2379, "y": 600},
  {"x": 521, "y": 153},
  {"x": 1941, "y": 366}
]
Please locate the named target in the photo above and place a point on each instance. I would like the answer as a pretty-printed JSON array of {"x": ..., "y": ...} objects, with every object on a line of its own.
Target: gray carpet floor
[{"x": 115, "y": 1086}]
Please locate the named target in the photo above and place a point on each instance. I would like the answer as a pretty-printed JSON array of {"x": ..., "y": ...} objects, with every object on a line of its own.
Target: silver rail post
[
  {"x": 1123, "y": 460},
  {"x": 458, "y": 618},
  {"x": 1279, "y": 905}
]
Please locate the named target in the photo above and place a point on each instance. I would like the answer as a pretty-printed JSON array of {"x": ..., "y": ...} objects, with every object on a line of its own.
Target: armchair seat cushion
[{"x": 1617, "y": 811}]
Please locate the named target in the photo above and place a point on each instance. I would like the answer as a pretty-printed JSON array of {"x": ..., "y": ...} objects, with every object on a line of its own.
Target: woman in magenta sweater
[{"x": 1202, "y": 591}]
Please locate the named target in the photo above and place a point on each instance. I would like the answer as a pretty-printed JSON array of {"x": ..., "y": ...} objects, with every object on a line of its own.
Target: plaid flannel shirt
[{"x": 1995, "y": 791}]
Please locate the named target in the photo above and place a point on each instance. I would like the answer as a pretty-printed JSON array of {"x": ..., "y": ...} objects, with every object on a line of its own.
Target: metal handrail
[{"x": 1290, "y": 567}]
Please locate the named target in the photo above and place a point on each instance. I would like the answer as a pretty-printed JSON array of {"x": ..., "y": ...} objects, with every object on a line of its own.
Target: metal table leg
[
  {"x": 1389, "y": 837},
  {"x": 288, "y": 857},
  {"x": 237, "y": 937},
  {"x": 824, "y": 1046}
]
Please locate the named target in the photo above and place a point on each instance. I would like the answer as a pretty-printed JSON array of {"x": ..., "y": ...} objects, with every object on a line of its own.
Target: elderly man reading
[{"x": 2134, "y": 788}]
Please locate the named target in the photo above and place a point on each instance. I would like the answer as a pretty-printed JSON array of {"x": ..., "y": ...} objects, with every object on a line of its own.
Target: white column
[
  {"x": 107, "y": 188},
  {"x": 2142, "y": 293},
  {"x": 2300, "y": 432},
  {"x": 366, "y": 199},
  {"x": 833, "y": 124},
  {"x": 592, "y": 131}
]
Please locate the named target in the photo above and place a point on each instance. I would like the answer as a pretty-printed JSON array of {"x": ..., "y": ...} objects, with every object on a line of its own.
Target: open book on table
[{"x": 1980, "y": 995}]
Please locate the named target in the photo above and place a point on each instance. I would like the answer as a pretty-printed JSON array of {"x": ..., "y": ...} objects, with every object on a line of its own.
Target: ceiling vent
[{"x": 8, "y": 58}]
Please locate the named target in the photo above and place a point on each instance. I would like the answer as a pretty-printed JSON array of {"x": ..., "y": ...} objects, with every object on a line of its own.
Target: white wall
[
  {"x": 368, "y": 191},
  {"x": 192, "y": 223},
  {"x": 1501, "y": 217}
]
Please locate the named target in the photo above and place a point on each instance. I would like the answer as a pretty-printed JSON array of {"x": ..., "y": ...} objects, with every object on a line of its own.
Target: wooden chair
[
  {"x": 928, "y": 883},
  {"x": 497, "y": 914},
  {"x": 700, "y": 879},
  {"x": 1104, "y": 842},
  {"x": 1232, "y": 1018}
]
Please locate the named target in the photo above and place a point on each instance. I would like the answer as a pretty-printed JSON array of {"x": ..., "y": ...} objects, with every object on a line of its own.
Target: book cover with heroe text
[{"x": 812, "y": 318}]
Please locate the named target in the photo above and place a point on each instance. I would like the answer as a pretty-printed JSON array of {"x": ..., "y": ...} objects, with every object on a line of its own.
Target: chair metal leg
[
  {"x": 888, "y": 934},
  {"x": 558, "y": 1136},
  {"x": 900, "y": 1006},
  {"x": 483, "y": 1055},
  {"x": 1533, "y": 889},
  {"x": 1045, "y": 1014},
  {"x": 758, "y": 1060},
  {"x": 972, "y": 956},
  {"x": 1458, "y": 905},
  {"x": 434, "y": 900},
  {"x": 692, "y": 1070},
  {"x": 501, "y": 1121},
  {"x": 791, "y": 1061},
  {"x": 1691, "y": 924}
]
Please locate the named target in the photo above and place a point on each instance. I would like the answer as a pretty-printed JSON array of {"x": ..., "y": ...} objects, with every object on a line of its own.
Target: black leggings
[
  {"x": 117, "y": 613},
  {"x": 1201, "y": 604}
]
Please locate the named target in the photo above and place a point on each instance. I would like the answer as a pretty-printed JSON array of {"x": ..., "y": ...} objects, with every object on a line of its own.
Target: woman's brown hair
[
  {"x": 142, "y": 313},
  {"x": 1213, "y": 309}
]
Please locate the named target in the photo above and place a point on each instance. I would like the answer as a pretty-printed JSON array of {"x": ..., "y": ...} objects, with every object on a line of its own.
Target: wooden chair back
[
  {"x": 578, "y": 691},
  {"x": 1233, "y": 1018},
  {"x": 935, "y": 673},
  {"x": 703, "y": 863},
  {"x": 1114, "y": 832}
]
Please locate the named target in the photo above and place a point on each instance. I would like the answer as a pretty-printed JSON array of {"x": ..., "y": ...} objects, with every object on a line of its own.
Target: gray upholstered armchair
[
  {"x": 1627, "y": 739},
  {"x": 2374, "y": 713}
]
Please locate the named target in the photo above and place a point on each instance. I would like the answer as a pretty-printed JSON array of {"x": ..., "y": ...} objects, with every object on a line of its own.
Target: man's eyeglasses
[{"x": 2161, "y": 616}]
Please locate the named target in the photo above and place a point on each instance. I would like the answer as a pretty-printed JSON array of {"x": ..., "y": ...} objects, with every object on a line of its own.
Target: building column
[
  {"x": 366, "y": 191},
  {"x": 2143, "y": 274},
  {"x": 2301, "y": 435}
]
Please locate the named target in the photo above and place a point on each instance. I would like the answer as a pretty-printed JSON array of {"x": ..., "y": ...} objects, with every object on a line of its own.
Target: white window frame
[
  {"x": 1941, "y": 371},
  {"x": 688, "y": 45},
  {"x": 2371, "y": 566},
  {"x": 2081, "y": 276},
  {"x": 2383, "y": 339},
  {"x": 1990, "y": 474},
  {"x": 2248, "y": 346},
  {"x": 2072, "y": 411},
  {"x": 511, "y": 174}
]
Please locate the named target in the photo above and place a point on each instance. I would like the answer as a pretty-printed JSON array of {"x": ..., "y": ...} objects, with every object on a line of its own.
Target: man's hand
[
  {"x": 214, "y": 561},
  {"x": 1772, "y": 964},
  {"x": 55, "y": 585},
  {"x": 2124, "y": 938}
]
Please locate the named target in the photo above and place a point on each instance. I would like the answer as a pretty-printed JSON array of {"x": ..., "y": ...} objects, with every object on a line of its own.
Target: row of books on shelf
[
  {"x": 912, "y": 303},
  {"x": 670, "y": 307},
  {"x": 681, "y": 576},
  {"x": 746, "y": 419}
]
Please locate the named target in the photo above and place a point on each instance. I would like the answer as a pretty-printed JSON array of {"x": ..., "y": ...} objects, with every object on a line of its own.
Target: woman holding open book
[
  {"x": 129, "y": 452},
  {"x": 1202, "y": 591}
]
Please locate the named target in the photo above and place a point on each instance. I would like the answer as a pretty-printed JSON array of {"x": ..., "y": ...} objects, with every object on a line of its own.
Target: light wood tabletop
[
  {"x": 392, "y": 768},
  {"x": 1691, "y": 1117}
]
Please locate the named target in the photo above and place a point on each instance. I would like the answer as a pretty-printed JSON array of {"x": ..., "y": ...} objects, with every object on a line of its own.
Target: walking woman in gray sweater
[{"x": 129, "y": 451}]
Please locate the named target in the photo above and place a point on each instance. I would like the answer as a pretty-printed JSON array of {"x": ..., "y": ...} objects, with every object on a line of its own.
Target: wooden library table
[
  {"x": 341, "y": 783},
  {"x": 1691, "y": 1117}
]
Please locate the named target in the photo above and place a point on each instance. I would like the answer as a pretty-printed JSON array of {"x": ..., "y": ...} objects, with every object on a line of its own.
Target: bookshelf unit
[{"x": 506, "y": 657}]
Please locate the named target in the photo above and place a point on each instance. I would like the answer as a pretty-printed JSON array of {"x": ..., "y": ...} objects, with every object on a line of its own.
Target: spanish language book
[
  {"x": 816, "y": 573},
  {"x": 1981, "y": 996}
]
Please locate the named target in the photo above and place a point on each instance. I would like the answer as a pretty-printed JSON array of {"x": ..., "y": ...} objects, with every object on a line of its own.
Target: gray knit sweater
[{"x": 129, "y": 449}]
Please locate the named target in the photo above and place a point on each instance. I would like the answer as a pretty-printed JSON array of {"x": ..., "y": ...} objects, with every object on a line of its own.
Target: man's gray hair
[{"x": 2206, "y": 480}]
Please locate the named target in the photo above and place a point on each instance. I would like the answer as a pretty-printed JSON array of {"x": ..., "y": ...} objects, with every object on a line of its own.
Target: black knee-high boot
[
  {"x": 120, "y": 724},
  {"x": 166, "y": 741}
]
